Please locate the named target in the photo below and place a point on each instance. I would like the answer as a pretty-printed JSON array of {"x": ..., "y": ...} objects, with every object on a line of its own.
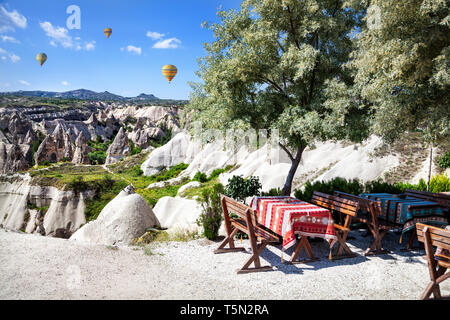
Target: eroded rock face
[
  {"x": 144, "y": 132},
  {"x": 55, "y": 147},
  {"x": 80, "y": 155},
  {"x": 64, "y": 213},
  {"x": 121, "y": 221},
  {"x": 14, "y": 157},
  {"x": 119, "y": 149}
]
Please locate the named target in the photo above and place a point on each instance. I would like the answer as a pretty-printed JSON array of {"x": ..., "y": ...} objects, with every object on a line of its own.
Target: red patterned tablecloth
[{"x": 288, "y": 216}]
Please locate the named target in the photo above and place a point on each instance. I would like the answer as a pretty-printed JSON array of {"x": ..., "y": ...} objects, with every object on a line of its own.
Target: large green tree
[
  {"x": 402, "y": 67},
  {"x": 279, "y": 64}
]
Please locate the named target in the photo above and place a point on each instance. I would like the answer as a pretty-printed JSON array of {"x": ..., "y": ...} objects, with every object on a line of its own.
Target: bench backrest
[
  {"x": 366, "y": 205},
  {"x": 441, "y": 198},
  {"x": 230, "y": 205},
  {"x": 439, "y": 237},
  {"x": 335, "y": 203}
]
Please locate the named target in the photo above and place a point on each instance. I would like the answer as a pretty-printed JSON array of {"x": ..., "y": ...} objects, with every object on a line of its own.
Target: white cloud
[
  {"x": 154, "y": 35},
  {"x": 59, "y": 35},
  {"x": 135, "y": 50},
  {"x": 65, "y": 83},
  {"x": 87, "y": 46},
  {"x": 14, "y": 58},
  {"x": 9, "y": 39},
  {"x": 25, "y": 83},
  {"x": 9, "y": 20},
  {"x": 90, "y": 46},
  {"x": 171, "y": 43}
]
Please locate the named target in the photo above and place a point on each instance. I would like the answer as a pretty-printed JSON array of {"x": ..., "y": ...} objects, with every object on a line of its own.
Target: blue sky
[{"x": 146, "y": 35}]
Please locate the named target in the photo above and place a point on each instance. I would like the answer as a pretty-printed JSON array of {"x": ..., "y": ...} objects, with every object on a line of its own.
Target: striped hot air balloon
[
  {"x": 108, "y": 32},
  {"x": 41, "y": 58},
  {"x": 169, "y": 71}
]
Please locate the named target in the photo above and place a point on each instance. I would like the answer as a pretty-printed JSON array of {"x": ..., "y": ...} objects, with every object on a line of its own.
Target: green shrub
[
  {"x": 97, "y": 157},
  {"x": 338, "y": 184},
  {"x": 216, "y": 172},
  {"x": 273, "y": 192},
  {"x": 200, "y": 177},
  {"x": 169, "y": 174},
  {"x": 136, "y": 171},
  {"x": 77, "y": 184},
  {"x": 239, "y": 188},
  {"x": 444, "y": 161},
  {"x": 439, "y": 183},
  {"x": 133, "y": 149},
  {"x": 211, "y": 216}
]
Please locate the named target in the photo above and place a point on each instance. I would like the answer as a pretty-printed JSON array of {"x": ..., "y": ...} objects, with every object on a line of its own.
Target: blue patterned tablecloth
[{"x": 395, "y": 210}]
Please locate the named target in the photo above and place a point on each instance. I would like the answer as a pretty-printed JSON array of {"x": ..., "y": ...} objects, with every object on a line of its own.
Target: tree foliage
[
  {"x": 279, "y": 65},
  {"x": 402, "y": 67}
]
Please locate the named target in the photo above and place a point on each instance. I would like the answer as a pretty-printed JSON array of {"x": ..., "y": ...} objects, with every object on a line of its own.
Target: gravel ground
[{"x": 36, "y": 267}]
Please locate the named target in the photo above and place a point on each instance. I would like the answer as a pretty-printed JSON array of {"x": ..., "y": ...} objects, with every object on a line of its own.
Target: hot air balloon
[
  {"x": 41, "y": 58},
  {"x": 169, "y": 71},
  {"x": 108, "y": 32}
]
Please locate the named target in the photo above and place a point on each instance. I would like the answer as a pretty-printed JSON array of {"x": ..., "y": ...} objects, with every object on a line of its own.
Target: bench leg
[
  {"x": 230, "y": 241},
  {"x": 376, "y": 248},
  {"x": 342, "y": 246},
  {"x": 303, "y": 243},
  {"x": 433, "y": 286},
  {"x": 257, "y": 249}
]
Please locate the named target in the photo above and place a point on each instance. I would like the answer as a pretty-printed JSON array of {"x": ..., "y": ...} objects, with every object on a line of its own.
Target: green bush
[
  {"x": 77, "y": 184},
  {"x": 338, "y": 184},
  {"x": 216, "y": 172},
  {"x": 439, "y": 183},
  {"x": 133, "y": 149},
  {"x": 273, "y": 192},
  {"x": 212, "y": 215},
  {"x": 169, "y": 174},
  {"x": 97, "y": 157},
  {"x": 239, "y": 188},
  {"x": 200, "y": 177},
  {"x": 444, "y": 161}
]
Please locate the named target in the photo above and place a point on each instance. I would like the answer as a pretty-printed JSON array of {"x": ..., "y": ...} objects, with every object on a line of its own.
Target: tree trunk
[
  {"x": 429, "y": 168},
  {"x": 290, "y": 177}
]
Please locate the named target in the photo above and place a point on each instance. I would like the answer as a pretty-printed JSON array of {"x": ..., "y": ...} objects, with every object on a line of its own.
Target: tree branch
[{"x": 287, "y": 151}]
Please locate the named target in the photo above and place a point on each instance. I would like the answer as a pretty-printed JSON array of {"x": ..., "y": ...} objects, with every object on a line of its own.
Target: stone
[{"x": 122, "y": 220}]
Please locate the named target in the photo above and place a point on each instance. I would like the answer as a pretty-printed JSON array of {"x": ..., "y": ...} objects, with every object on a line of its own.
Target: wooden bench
[
  {"x": 437, "y": 264},
  {"x": 247, "y": 223},
  {"x": 378, "y": 227},
  {"x": 346, "y": 208}
]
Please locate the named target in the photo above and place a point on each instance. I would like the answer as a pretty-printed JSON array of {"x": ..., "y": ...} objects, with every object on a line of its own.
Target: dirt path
[{"x": 36, "y": 267}]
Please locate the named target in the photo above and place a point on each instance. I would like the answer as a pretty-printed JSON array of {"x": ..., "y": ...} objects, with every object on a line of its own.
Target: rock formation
[
  {"x": 80, "y": 155},
  {"x": 119, "y": 149},
  {"x": 122, "y": 220},
  {"x": 14, "y": 157},
  {"x": 65, "y": 213},
  {"x": 55, "y": 147}
]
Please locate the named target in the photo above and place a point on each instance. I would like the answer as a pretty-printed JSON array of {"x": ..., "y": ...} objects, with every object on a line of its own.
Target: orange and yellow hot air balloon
[
  {"x": 41, "y": 58},
  {"x": 169, "y": 71},
  {"x": 108, "y": 32}
]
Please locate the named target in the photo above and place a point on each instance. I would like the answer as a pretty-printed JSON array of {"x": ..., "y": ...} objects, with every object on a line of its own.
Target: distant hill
[{"x": 81, "y": 94}]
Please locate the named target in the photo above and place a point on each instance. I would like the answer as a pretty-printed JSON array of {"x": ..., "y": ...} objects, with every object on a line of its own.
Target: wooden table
[
  {"x": 287, "y": 216},
  {"x": 406, "y": 211}
]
